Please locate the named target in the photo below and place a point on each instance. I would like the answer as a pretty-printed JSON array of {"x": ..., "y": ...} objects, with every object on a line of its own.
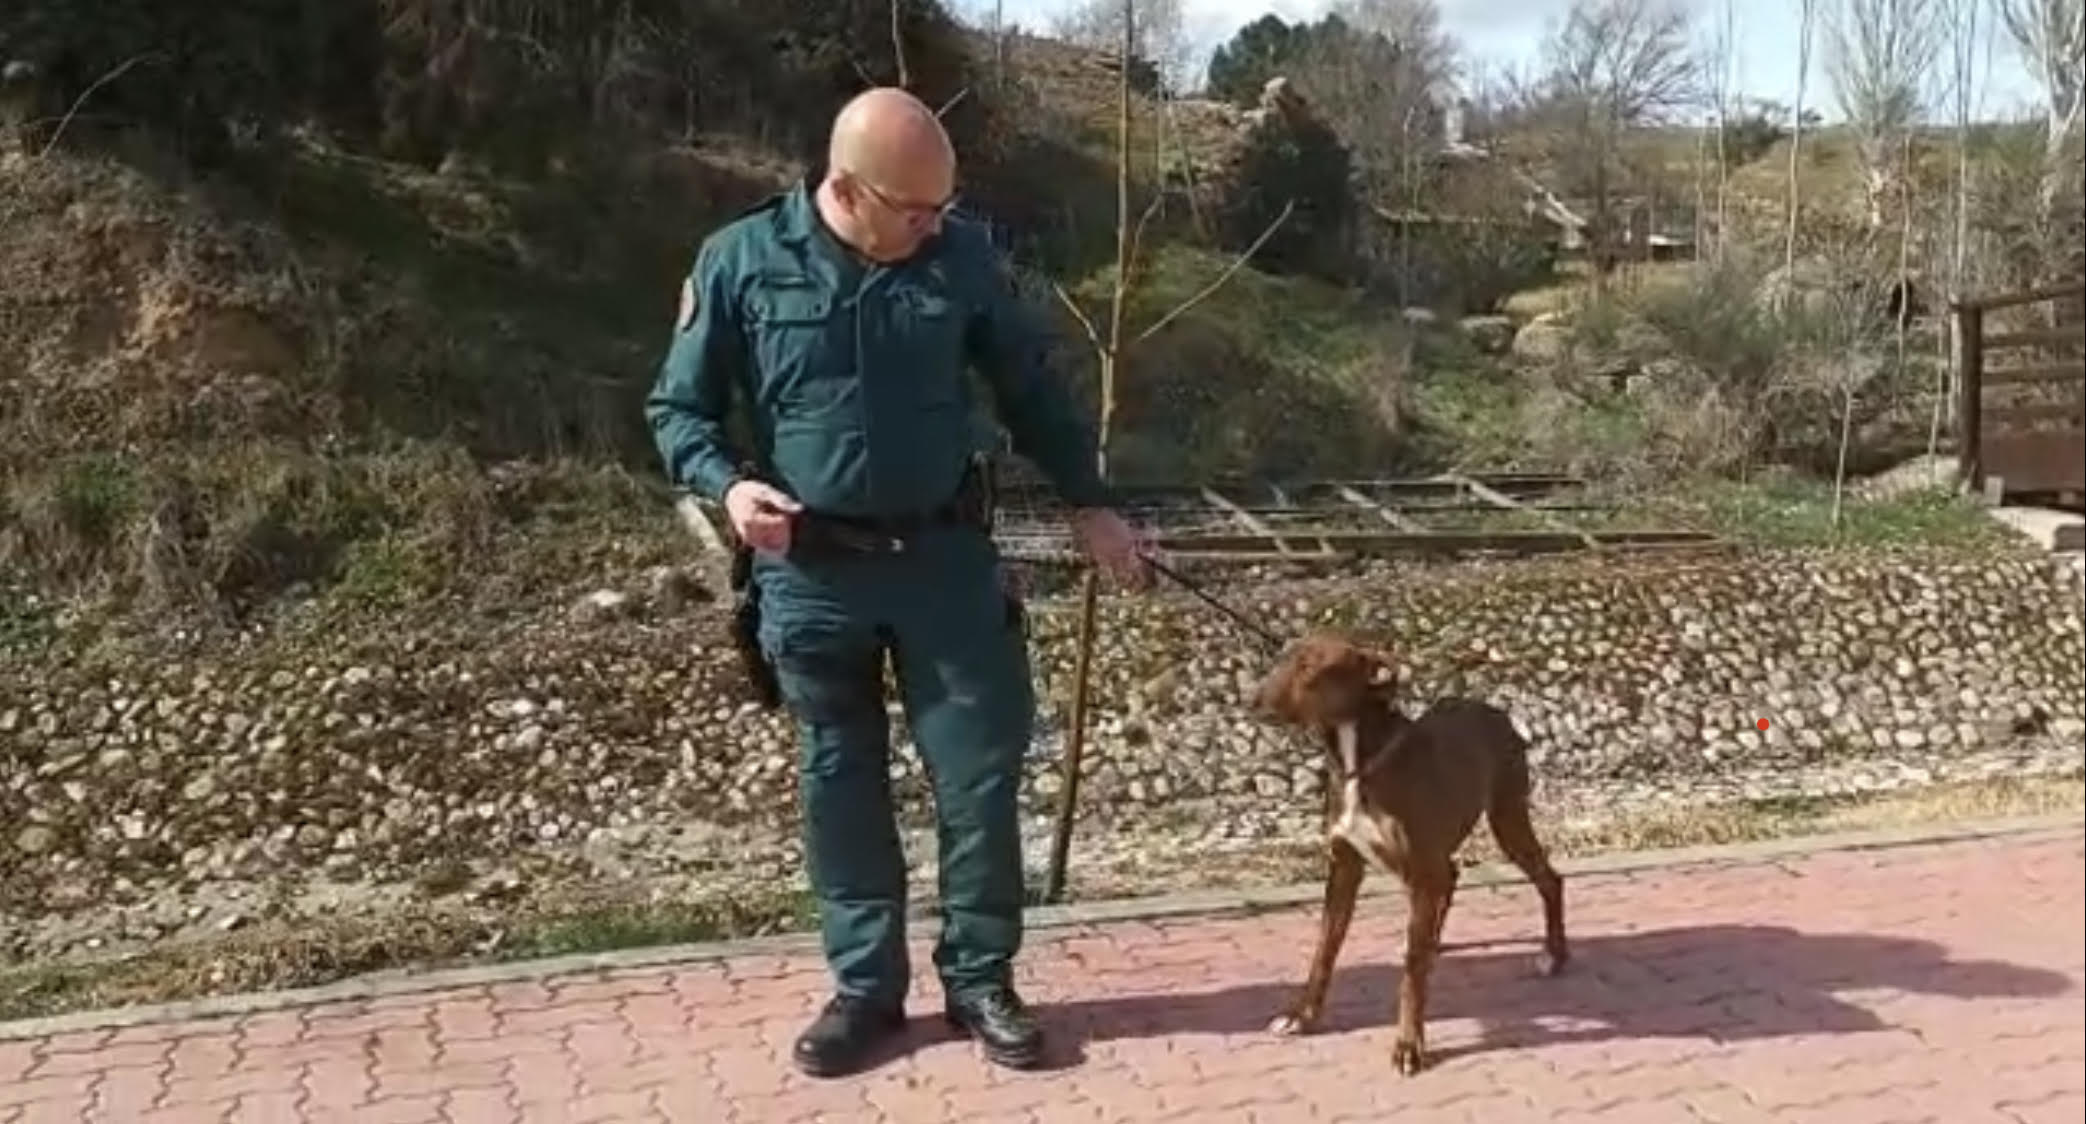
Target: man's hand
[
  {"x": 760, "y": 515},
  {"x": 1113, "y": 546}
]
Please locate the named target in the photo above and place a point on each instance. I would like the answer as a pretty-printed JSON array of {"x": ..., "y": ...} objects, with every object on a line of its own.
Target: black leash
[{"x": 1273, "y": 642}]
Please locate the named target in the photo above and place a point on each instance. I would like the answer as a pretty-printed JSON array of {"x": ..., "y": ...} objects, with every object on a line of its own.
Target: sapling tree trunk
[
  {"x": 1807, "y": 20},
  {"x": 1110, "y": 351}
]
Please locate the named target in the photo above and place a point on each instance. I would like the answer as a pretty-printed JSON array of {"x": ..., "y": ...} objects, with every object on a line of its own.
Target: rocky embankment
[{"x": 151, "y": 780}]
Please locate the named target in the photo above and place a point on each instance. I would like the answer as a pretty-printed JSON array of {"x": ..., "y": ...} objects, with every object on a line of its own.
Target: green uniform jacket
[{"x": 854, "y": 374}]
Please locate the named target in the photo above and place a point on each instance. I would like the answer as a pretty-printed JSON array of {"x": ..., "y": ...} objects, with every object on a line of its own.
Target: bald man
[{"x": 841, "y": 316}]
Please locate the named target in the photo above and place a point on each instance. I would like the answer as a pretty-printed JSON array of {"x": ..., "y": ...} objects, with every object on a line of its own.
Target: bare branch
[
  {"x": 72, "y": 111},
  {"x": 1881, "y": 51},
  {"x": 953, "y": 102},
  {"x": 1144, "y": 220},
  {"x": 1612, "y": 66},
  {"x": 905, "y": 78},
  {"x": 2051, "y": 37},
  {"x": 1093, "y": 334},
  {"x": 1377, "y": 84},
  {"x": 1237, "y": 264},
  {"x": 1159, "y": 34}
]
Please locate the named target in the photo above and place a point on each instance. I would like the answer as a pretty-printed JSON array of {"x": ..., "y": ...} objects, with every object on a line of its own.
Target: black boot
[
  {"x": 845, "y": 1034},
  {"x": 1001, "y": 1022}
]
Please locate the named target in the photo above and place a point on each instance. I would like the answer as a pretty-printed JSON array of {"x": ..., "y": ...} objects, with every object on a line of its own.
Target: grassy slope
[{"x": 374, "y": 379}]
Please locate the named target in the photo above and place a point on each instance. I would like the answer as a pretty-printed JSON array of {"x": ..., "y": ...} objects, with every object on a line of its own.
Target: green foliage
[
  {"x": 1750, "y": 133},
  {"x": 1791, "y": 511},
  {"x": 93, "y": 498},
  {"x": 1367, "y": 66},
  {"x": 1470, "y": 268},
  {"x": 1301, "y": 163},
  {"x": 1261, "y": 50},
  {"x": 236, "y": 528},
  {"x": 1198, "y": 397}
]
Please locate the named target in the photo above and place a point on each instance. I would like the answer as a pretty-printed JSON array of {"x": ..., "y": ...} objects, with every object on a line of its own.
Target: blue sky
[{"x": 1509, "y": 32}]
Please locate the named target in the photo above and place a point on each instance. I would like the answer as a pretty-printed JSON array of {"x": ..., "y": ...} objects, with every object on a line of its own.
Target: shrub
[
  {"x": 1293, "y": 160},
  {"x": 1743, "y": 364},
  {"x": 1467, "y": 268}
]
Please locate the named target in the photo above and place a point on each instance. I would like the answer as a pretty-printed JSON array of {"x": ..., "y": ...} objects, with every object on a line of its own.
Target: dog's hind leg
[
  {"x": 1448, "y": 898},
  {"x": 1343, "y": 883},
  {"x": 1516, "y": 836}
]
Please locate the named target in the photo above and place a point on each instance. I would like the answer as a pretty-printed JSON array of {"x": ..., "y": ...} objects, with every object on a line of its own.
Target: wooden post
[
  {"x": 1075, "y": 745},
  {"x": 1970, "y": 384}
]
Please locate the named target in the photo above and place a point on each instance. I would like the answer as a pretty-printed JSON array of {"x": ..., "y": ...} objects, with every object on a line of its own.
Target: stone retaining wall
[{"x": 366, "y": 754}]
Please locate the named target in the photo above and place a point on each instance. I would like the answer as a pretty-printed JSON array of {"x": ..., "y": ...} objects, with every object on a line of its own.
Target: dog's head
[{"x": 1325, "y": 680}]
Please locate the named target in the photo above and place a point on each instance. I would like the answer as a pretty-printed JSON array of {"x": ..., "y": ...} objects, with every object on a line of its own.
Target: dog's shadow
[{"x": 1728, "y": 982}]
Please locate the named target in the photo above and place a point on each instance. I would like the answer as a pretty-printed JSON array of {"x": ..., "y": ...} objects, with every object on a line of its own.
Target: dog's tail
[{"x": 1511, "y": 781}]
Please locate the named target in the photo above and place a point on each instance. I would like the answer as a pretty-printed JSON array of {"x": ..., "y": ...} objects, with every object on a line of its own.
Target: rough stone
[
  {"x": 1542, "y": 340},
  {"x": 236, "y": 760}
]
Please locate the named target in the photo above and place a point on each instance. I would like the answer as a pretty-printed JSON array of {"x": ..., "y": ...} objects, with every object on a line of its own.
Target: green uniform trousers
[{"x": 961, "y": 665}]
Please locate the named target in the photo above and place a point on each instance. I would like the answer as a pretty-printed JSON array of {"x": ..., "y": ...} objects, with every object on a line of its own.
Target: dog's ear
[{"x": 1382, "y": 666}]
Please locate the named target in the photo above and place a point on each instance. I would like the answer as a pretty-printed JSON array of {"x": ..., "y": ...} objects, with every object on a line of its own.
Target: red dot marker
[{"x": 1763, "y": 723}]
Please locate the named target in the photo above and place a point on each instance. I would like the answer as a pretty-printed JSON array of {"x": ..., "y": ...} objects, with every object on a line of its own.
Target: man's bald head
[
  {"x": 881, "y": 133},
  {"x": 890, "y": 171}
]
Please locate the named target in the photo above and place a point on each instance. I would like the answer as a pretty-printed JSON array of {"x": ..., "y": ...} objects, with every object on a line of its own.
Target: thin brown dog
[{"x": 1409, "y": 792}]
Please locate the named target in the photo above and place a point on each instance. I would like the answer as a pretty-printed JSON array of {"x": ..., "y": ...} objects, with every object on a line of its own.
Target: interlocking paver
[{"x": 1918, "y": 985}]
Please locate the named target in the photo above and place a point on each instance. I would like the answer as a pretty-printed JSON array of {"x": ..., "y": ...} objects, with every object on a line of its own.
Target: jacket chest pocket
[
  {"x": 803, "y": 346},
  {"x": 926, "y": 344}
]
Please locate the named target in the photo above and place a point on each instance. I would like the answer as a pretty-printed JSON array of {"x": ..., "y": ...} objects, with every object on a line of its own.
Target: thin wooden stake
[
  {"x": 1111, "y": 354},
  {"x": 1075, "y": 746},
  {"x": 1075, "y": 743}
]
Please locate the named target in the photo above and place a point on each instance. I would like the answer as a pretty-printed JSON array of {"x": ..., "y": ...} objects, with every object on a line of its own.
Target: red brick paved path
[{"x": 1937, "y": 983}]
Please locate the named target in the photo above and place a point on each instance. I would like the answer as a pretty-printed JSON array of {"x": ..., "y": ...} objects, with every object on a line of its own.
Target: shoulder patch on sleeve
[{"x": 685, "y": 318}]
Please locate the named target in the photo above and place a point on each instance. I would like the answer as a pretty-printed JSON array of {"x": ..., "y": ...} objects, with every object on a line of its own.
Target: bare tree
[
  {"x": 1111, "y": 347},
  {"x": 1806, "y": 22},
  {"x": 1158, "y": 32},
  {"x": 1380, "y": 89},
  {"x": 2051, "y": 35},
  {"x": 1881, "y": 53},
  {"x": 1723, "y": 55},
  {"x": 1961, "y": 19},
  {"x": 1613, "y": 66},
  {"x": 1415, "y": 25}
]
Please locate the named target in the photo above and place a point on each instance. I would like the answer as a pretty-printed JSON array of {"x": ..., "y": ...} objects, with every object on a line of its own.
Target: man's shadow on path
[{"x": 1726, "y": 982}]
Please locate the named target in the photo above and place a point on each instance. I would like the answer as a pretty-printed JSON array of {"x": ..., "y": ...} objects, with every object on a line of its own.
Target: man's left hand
[{"x": 1113, "y": 546}]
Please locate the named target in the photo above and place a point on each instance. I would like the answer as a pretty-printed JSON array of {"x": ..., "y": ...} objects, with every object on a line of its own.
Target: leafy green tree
[{"x": 1261, "y": 50}]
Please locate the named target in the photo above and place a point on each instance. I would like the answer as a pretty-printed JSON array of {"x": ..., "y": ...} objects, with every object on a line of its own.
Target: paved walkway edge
[{"x": 1197, "y": 904}]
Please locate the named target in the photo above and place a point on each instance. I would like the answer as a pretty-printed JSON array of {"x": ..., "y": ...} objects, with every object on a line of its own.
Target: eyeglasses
[{"x": 917, "y": 213}]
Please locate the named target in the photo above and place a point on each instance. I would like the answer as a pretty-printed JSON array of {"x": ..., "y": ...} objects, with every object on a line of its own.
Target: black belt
[
  {"x": 823, "y": 533},
  {"x": 816, "y": 533}
]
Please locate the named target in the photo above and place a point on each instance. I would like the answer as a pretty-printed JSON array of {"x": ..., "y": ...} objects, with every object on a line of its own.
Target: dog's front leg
[
  {"x": 1430, "y": 894},
  {"x": 1343, "y": 884}
]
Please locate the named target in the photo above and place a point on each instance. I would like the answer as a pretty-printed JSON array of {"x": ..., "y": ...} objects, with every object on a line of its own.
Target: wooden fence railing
[{"x": 2022, "y": 427}]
